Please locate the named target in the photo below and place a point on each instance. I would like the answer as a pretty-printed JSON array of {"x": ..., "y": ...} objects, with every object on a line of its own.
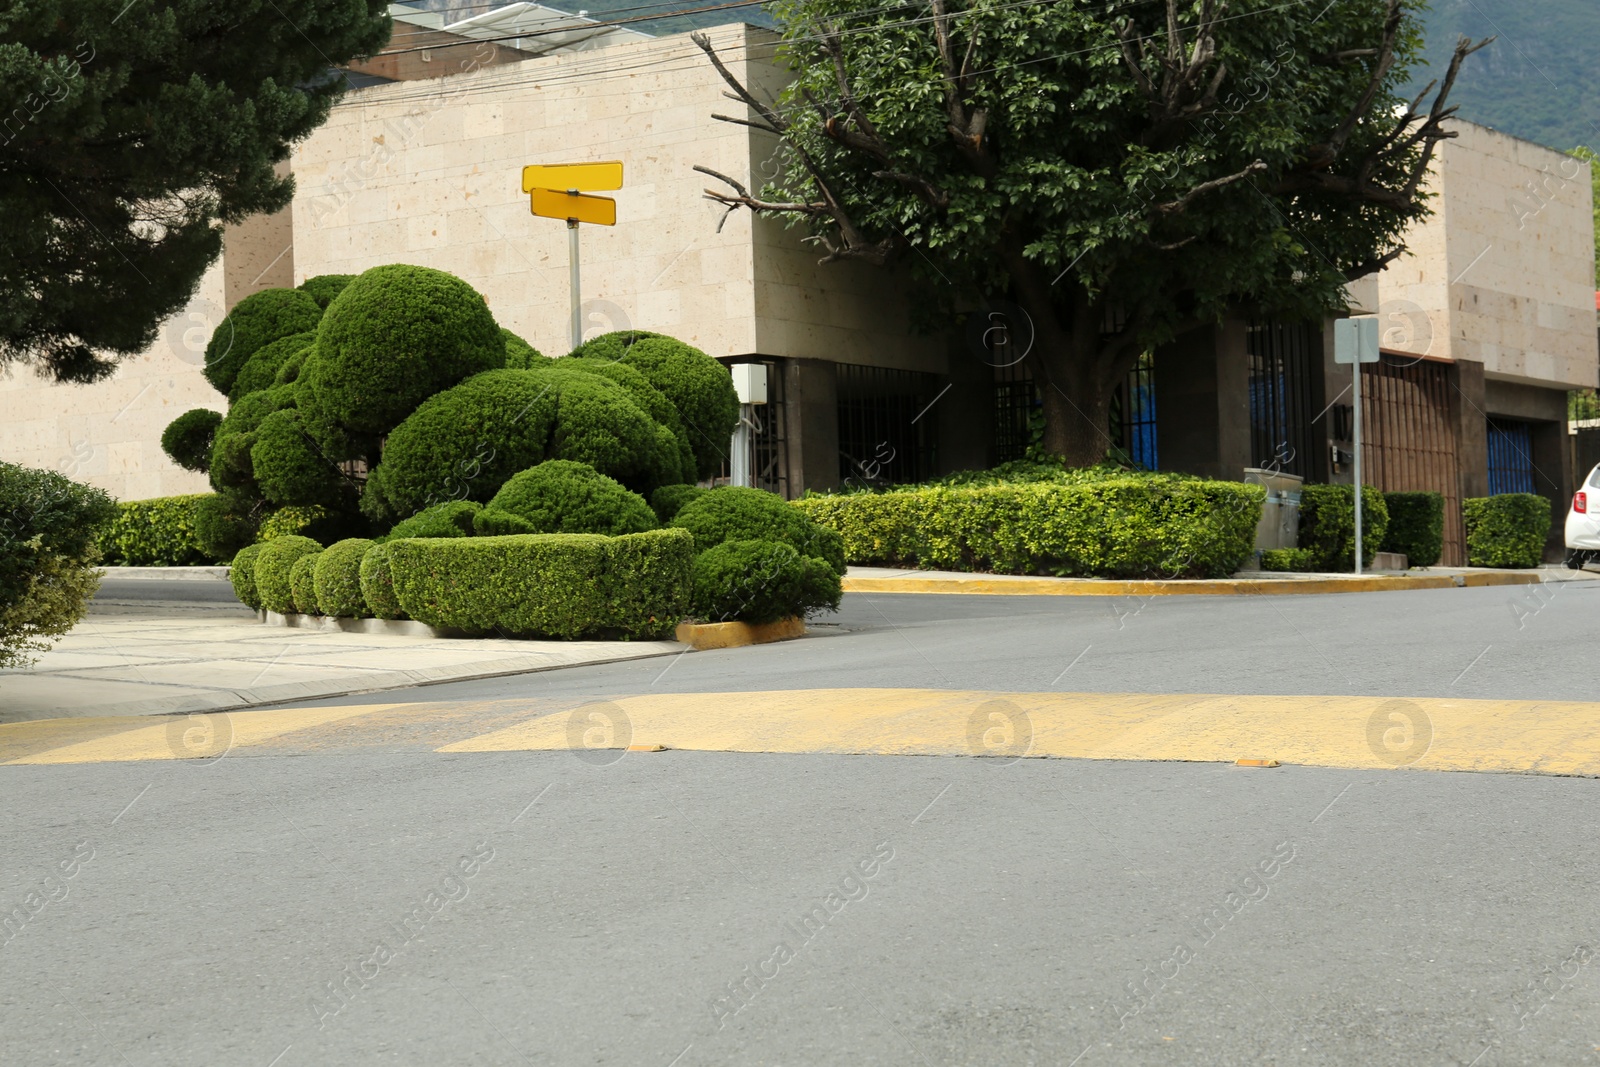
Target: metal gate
[
  {"x": 1282, "y": 396},
  {"x": 1408, "y": 441},
  {"x": 1510, "y": 457}
]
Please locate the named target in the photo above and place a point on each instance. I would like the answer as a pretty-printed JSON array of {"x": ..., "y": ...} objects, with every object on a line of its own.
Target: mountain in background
[{"x": 1539, "y": 81}]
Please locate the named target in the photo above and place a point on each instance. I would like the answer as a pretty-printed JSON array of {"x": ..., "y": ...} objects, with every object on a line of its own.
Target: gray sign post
[{"x": 1355, "y": 341}]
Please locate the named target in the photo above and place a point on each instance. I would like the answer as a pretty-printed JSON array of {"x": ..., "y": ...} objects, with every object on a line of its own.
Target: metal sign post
[
  {"x": 573, "y": 284},
  {"x": 1355, "y": 341},
  {"x": 553, "y": 194}
]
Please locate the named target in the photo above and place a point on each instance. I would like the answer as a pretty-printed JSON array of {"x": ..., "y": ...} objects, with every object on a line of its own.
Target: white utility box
[{"x": 750, "y": 382}]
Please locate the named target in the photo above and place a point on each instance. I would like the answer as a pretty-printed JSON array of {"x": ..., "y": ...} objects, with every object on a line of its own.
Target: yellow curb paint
[
  {"x": 647, "y": 748},
  {"x": 196, "y": 736},
  {"x": 1194, "y": 587},
  {"x": 1256, "y": 763},
  {"x": 1554, "y": 737},
  {"x": 708, "y": 635}
]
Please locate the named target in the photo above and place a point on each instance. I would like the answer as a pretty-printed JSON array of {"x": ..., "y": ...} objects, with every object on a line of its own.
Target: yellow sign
[
  {"x": 575, "y": 177},
  {"x": 600, "y": 210}
]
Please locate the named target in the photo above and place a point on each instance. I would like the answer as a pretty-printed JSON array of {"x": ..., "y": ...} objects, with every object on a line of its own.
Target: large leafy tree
[
  {"x": 130, "y": 131},
  {"x": 1122, "y": 170}
]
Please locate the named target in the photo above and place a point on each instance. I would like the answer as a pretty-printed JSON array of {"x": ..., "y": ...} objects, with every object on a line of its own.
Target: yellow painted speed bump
[
  {"x": 1256, "y": 763},
  {"x": 647, "y": 748}
]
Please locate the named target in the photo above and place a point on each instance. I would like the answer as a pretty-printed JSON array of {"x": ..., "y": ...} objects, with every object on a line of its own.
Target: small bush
[
  {"x": 453, "y": 518},
  {"x": 520, "y": 355},
  {"x": 1416, "y": 527},
  {"x": 761, "y": 581},
  {"x": 302, "y": 583},
  {"x": 224, "y": 523},
  {"x": 1328, "y": 525},
  {"x": 1286, "y": 559},
  {"x": 261, "y": 370},
  {"x": 561, "y": 496},
  {"x": 699, "y": 387},
  {"x": 254, "y": 322},
  {"x": 1508, "y": 530},
  {"x": 155, "y": 533},
  {"x": 739, "y": 514},
  {"x": 337, "y": 579},
  {"x": 377, "y": 582},
  {"x": 667, "y": 501},
  {"x": 551, "y": 585},
  {"x": 187, "y": 438},
  {"x": 242, "y": 574},
  {"x": 272, "y": 570},
  {"x": 324, "y": 287}
]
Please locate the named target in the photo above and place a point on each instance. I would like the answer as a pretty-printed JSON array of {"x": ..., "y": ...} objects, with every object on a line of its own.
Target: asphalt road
[
  {"x": 126, "y": 596},
  {"x": 410, "y": 906}
]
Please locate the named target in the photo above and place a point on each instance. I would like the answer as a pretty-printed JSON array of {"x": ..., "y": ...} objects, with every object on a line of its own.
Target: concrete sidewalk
[{"x": 143, "y": 664}]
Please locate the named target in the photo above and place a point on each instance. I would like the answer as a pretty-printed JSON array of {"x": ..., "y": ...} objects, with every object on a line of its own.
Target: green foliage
[
  {"x": 1052, "y": 469},
  {"x": 1287, "y": 559},
  {"x": 231, "y": 464},
  {"x": 700, "y": 388},
  {"x": 224, "y": 523},
  {"x": 667, "y": 501},
  {"x": 611, "y": 347},
  {"x": 654, "y": 403},
  {"x": 453, "y": 518},
  {"x": 761, "y": 581},
  {"x": 302, "y": 583},
  {"x": 49, "y": 526},
  {"x": 1416, "y": 527},
  {"x": 324, "y": 287},
  {"x": 337, "y": 579},
  {"x": 395, "y": 336},
  {"x": 292, "y": 520},
  {"x": 187, "y": 438},
  {"x": 1328, "y": 525},
  {"x": 1130, "y": 527},
  {"x": 272, "y": 570},
  {"x": 255, "y": 322},
  {"x": 520, "y": 355},
  {"x": 738, "y": 514},
  {"x": 261, "y": 370},
  {"x": 1508, "y": 530},
  {"x": 377, "y": 582},
  {"x": 545, "y": 585},
  {"x": 242, "y": 574},
  {"x": 289, "y": 467},
  {"x": 155, "y": 533},
  {"x": 132, "y": 134},
  {"x": 561, "y": 496}
]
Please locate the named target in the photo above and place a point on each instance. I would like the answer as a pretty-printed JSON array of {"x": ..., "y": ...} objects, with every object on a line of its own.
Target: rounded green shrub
[
  {"x": 337, "y": 579},
  {"x": 492, "y": 522},
  {"x": 256, "y": 321},
  {"x": 377, "y": 582},
  {"x": 1507, "y": 530},
  {"x": 453, "y": 518},
  {"x": 761, "y": 581},
  {"x": 520, "y": 355},
  {"x": 231, "y": 465},
  {"x": 739, "y": 514},
  {"x": 597, "y": 422},
  {"x": 1416, "y": 527},
  {"x": 289, "y": 369},
  {"x": 654, "y": 403},
  {"x": 261, "y": 370},
  {"x": 302, "y": 583},
  {"x": 611, "y": 346},
  {"x": 187, "y": 439},
  {"x": 289, "y": 467},
  {"x": 273, "y": 564},
  {"x": 324, "y": 287},
  {"x": 1328, "y": 525},
  {"x": 699, "y": 387},
  {"x": 562, "y": 496},
  {"x": 242, "y": 574},
  {"x": 667, "y": 501},
  {"x": 224, "y": 524},
  {"x": 395, "y": 336}
]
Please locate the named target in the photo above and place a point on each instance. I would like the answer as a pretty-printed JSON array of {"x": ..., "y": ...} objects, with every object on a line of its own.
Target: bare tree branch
[{"x": 1174, "y": 206}]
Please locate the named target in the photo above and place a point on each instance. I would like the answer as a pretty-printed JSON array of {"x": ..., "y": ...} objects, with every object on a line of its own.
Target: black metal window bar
[
  {"x": 1282, "y": 397},
  {"x": 1510, "y": 457},
  {"x": 769, "y": 437},
  {"x": 1133, "y": 415},
  {"x": 887, "y": 435},
  {"x": 1015, "y": 402}
]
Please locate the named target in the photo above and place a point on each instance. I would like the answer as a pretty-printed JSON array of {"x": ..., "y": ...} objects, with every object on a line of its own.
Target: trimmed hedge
[
  {"x": 761, "y": 581},
  {"x": 224, "y": 523},
  {"x": 272, "y": 570},
  {"x": 562, "y": 496},
  {"x": 155, "y": 533},
  {"x": 1127, "y": 527},
  {"x": 302, "y": 583},
  {"x": 520, "y": 355},
  {"x": 1328, "y": 525},
  {"x": 377, "y": 582},
  {"x": 738, "y": 514},
  {"x": 667, "y": 501},
  {"x": 187, "y": 438},
  {"x": 260, "y": 371},
  {"x": 655, "y": 403},
  {"x": 699, "y": 387},
  {"x": 1286, "y": 559},
  {"x": 324, "y": 287},
  {"x": 453, "y": 518},
  {"x": 242, "y": 574},
  {"x": 1416, "y": 527},
  {"x": 337, "y": 579},
  {"x": 550, "y": 585},
  {"x": 254, "y": 322},
  {"x": 289, "y": 467},
  {"x": 1508, "y": 530}
]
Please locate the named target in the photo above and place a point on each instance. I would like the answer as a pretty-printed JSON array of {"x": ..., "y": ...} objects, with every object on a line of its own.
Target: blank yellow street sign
[
  {"x": 600, "y": 210},
  {"x": 585, "y": 177}
]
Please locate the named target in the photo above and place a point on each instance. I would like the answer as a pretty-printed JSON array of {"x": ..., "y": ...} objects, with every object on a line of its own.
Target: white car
[{"x": 1583, "y": 523}]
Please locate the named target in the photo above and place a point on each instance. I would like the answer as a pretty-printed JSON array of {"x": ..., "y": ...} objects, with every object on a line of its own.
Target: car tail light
[{"x": 1580, "y": 503}]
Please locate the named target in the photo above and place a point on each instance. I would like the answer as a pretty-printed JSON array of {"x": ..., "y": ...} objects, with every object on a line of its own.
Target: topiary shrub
[
  {"x": 291, "y": 470},
  {"x": 231, "y": 465},
  {"x": 337, "y": 579},
  {"x": 453, "y": 518},
  {"x": 520, "y": 355},
  {"x": 272, "y": 570},
  {"x": 612, "y": 346},
  {"x": 1328, "y": 525},
  {"x": 187, "y": 439},
  {"x": 261, "y": 370},
  {"x": 394, "y": 337},
  {"x": 739, "y": 514},
  {"x": 154, "y": 533},
  {"x": 655, "y": 404},
  {"x": 302, "y": 583},
  {"x": 324, "y": 287},
  {"x": 1508, "y": 530},
  {"x": 377, "y": 582},
  {"x": 289, "y": 370},
  {"x": 667, "y": 501},
  {"x": 1416, "y": 527},
  {"x": 699, "y": 387},
  {"x": 561, "y": 496},
  {"x": 242, "y": 575},
  {"x": 761, "y": 581},
  {"x": 491, "y": 522},
  {"x": 224, "y": 523},
  {"x": 256, "y": 321}
]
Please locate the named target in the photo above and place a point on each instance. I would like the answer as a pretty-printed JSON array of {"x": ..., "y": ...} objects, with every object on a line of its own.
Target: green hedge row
[
  {"x": 154, "y": 533},
  {"x": 1119, "y": 527},
  {"x": 1508, "y": 530},
  {"x": 1416, "y": 527},
  {"x": 1328, "y": 525}
]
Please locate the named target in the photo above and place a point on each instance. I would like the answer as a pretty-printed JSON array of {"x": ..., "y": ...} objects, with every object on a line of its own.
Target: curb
[
  {"x": 393, "y": 627},
  {"x": 1194, "y": 587},
  {"x": 166, "y": 573},
  {"x": 706, "y": 635}
]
